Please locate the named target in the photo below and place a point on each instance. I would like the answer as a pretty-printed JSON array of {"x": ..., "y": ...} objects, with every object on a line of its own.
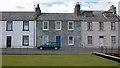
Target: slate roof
[
  {"x": 58, "y": 16},
  {"x": 17, "y": 16}
]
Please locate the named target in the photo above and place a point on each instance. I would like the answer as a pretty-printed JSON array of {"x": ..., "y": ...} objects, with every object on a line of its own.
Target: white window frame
[
  {"x": 72, "y": 25},
  {"x": 101, "y": 25},
  {"x": 89, "y": 25},
  {"x": 113, "y": 25},
  {"x": 47, "y": 25},
  {"x": 72, "y": 41},
  {"x": 43, "y": 39},
  {"x": 56, "y": 25}
]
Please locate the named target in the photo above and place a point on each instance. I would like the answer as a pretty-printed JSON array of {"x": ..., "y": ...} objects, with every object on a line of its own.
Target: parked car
[{"x": 54, "y": 45}]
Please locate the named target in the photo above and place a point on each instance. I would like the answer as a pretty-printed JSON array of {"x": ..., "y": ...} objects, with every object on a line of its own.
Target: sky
[{"x": 56, "y": 6}]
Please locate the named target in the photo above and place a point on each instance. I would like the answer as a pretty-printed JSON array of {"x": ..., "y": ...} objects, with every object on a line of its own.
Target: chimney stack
[
  {"x": 112, "y": 9},
  {"x": 77, "y": 9},
  {"x": 37, "y": 11}
]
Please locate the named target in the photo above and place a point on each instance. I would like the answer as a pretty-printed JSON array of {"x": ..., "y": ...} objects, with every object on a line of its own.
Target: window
[
  {"x": 89, "y": 39},
  {"x": 113, "y": 39},
  {"x": 70, "y": 25},
  {"x": 45, "y": 25},
  {"x": 45, "y": 39},
  {"x": 25, "y": 25},
  {"x": 89, "y": 25},
  {"x": 112, "y": 25},
  {"x": 58, "y": 25},
  {"x": 26, "y": 40},
  {"x": 70, "y": 40},
  {"x": 101, "y": 26},
  {"x": 9, "y": 25}
]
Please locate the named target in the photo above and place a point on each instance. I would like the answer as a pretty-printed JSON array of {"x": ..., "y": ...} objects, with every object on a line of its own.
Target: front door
[
  {"x": 58, "y": 38},
  {"x": 101, "y": 41},
  {"x": 8, "y": 41}
]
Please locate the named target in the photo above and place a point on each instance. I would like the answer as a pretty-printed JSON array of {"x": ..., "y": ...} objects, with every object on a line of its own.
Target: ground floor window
[
  {"x": 89, "y": 39},
  {"x": 45, "y": 39},
  {"x": 25, "y": 40},
  {"x": 70, "y": 40},
  {"x": 113, "y": 39}
]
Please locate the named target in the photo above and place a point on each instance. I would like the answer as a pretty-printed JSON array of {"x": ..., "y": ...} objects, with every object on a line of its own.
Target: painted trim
[
  {"x": 47, "y": 25},
  {"x": 72, "y": 25},
  {"x": 56, "y": 24},
  {"x": 72, "y": 41}
]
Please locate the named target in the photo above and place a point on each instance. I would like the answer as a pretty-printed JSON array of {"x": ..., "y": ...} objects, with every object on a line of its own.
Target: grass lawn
[{"x": 56, "y": 60}]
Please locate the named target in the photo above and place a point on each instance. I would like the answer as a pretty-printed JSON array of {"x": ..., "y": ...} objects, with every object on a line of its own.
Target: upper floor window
[
  {"x": 45, "y": 25},
  {"x": 113, "y": 39},
  {"x": 70, "y": 25},
  {"x": 25, "y": 25},
  {"x": 89, "y": 25},
  {"x": 26, "y": 40},
  {"x": 58, "y": 25},
  {"x": 113, "y": 26},
  {"x": 9, "y": 26},
  {"x": 89, "y": 39},
  {"x": 70, "y": 40},
  {"x": 101, "y": 26},
  {"x": 108, "y": 14}
]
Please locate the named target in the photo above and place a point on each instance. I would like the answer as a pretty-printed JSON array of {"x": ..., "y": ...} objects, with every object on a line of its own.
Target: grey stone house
[{"x": 63, "y": 28}]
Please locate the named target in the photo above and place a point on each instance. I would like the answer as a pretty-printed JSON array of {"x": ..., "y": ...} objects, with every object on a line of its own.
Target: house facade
[
  {"x": 81, "y": 29},
  {"x": 17, "y": 30}
]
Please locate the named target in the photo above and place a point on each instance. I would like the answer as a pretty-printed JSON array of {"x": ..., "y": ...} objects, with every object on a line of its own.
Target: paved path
[{"x": 51, "y": 51}]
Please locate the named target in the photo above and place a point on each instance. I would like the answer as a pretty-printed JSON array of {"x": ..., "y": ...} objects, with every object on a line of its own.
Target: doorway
[
  {"x": 8, "y": 41},
  {"x": 58, "y": 40}
]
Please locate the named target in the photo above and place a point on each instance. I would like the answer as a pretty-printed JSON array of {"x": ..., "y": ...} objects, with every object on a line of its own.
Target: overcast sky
[{"x": 57, "y": 6}]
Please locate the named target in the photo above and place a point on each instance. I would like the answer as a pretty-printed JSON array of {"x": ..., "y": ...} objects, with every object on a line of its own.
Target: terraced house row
[{"x": 83, "y": 28}]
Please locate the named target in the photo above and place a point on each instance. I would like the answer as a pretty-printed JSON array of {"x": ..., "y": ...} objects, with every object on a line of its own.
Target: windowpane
[
  {"x": 89, "y": 39},
  {"x": 70, "y": 40},
  {"x": 25, "y": 40},
  {"x": 58, "y": 25},
  {"x": 113, "y": 39},
  {"x": 9, "y": 25},
  {"x": 112, "y": 25},
  {"x": 89, "y": 25},
  {"x": 25, "y": 25},
  {"x": 45, "y": 25},
  {"x": 101, "y": 26},
  {"x": 70, "y": 25}
]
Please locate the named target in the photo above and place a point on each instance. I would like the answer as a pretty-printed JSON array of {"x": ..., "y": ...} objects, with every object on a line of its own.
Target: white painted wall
[
  {"x": 107, "y": 33},
  {"x": 17, "y": 34}
]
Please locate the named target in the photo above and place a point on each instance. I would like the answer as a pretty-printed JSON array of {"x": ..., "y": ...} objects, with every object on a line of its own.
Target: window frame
[
  {"x": 47, "y": 25},
  {"x": 7, "y": 23},
  {"x": 72, "y": 25},
  {"x": 72, "y": 40},
  {"x": 113, "y": 26},
  {"x": 24, "y": 39},
  {"x": 56, "y": 25},
  {"x": 113, "y": 40},
  {"x": 89, "y": 26},
  {"x": 101, "y": 25},
  {"x": 89, "y": 41},
  {"x": 24, "y": 25}
]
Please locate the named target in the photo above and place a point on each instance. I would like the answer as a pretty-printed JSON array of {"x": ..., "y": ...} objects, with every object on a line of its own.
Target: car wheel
[
  {"x": 41, "y": 48},
  {"x": 56, "y": 48}
]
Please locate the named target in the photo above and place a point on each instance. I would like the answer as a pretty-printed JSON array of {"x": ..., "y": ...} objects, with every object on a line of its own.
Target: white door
[{"x": 101, "y": 41}]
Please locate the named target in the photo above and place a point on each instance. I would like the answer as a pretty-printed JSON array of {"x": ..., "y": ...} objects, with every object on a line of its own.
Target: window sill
[
  {"x": 9, "y": 30},
  {"x": 25, "y": 45},
  {"x": 25, "y": 30}
]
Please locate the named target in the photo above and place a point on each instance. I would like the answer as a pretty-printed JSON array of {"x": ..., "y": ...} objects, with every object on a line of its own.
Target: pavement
[{"x": 51, "y": 51}]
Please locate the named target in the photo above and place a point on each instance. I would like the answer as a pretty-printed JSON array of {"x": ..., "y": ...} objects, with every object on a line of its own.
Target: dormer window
[
  {"x": 88, "y": 13},
  {"x": 108, "y": 14}
]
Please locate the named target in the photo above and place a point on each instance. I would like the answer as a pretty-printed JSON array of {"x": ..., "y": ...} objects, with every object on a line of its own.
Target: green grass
[{"x": 56, "y": 60}]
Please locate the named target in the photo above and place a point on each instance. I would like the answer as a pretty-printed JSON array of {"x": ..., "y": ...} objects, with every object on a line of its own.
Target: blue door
[{"x": 58, "y": 39}]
